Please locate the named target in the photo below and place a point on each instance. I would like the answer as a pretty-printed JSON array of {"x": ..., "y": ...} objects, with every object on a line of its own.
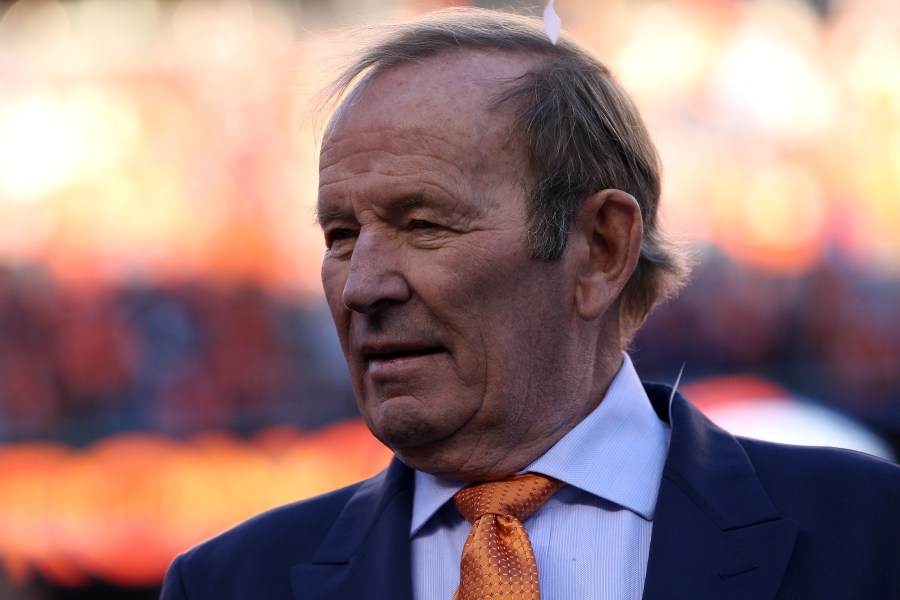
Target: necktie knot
[
  {"x": 498, "y": 561},
  {"x": 518, "y": 496}
]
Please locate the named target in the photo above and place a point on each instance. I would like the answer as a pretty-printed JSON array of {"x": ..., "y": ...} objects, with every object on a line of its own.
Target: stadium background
[{"x": 167, "y": 364}]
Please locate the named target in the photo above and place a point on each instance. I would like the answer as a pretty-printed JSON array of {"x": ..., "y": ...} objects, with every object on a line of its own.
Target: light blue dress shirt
[{"x": 592, "y": 538}]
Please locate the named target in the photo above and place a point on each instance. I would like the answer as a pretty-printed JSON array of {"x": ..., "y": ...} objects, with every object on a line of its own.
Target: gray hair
[{"x": 582, "y": 131}]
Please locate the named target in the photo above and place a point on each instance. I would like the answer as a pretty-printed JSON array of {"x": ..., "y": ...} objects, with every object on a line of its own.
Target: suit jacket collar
[
  {"x": 367, "y": 553},
  {"x": 716, "y": 532}
]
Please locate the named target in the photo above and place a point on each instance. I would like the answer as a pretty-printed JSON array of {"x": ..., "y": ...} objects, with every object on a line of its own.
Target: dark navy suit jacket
[{"x": 736, "y": 519}]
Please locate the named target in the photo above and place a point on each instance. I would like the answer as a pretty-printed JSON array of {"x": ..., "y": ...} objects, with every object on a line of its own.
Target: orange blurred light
[
  {"x": 121, "y": 509},
  {"x": 772, "y": 217},
  {"x": 28, "y": 517}
]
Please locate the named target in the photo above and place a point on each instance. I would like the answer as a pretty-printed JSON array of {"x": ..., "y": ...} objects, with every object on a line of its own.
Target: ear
[{"x": 610, "y": 231}]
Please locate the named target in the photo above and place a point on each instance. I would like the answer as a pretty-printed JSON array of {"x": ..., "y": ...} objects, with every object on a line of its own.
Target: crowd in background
[
  {"x": 77, "y": 365},
  {"x": 830, "y": 335}
]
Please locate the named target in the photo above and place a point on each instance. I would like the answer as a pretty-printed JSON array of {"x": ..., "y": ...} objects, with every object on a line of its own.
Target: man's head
[{"x": 489, "y": 204}]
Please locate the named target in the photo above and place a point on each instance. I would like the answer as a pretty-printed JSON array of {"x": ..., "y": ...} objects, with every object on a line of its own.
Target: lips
[
  {"x": 388, "y": 352},
  {"x": 389, "y": 364},
  {"x": 399, "y": 361}
]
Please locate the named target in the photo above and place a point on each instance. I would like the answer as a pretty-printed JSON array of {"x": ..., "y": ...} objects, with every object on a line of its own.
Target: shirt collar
[{"x": 617, "y": 453}]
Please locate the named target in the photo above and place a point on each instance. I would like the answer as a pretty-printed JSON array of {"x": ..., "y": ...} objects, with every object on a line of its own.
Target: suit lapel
[
  {"x": 716, "y": 533},
  {"x": 367, "y": 552}
]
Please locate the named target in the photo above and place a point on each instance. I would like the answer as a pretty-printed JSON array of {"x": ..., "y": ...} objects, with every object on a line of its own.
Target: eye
[
  {"x": 423, "y": 233},
  {"x": 338, "y": 235},
  {"x": 422, "y": 224}
]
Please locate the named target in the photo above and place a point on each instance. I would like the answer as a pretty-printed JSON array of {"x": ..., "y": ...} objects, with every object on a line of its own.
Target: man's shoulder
[
  {"x": 698, "y": 445},
  {"x": 817, "y": 461},
  {"x": 254, "y": 555},
  {"x": 839, "y": 477},
  {"x": 844, "y": 504}
]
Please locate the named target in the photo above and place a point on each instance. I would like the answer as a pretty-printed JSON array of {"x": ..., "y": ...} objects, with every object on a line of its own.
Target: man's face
[{"x": 459, "y": 344}]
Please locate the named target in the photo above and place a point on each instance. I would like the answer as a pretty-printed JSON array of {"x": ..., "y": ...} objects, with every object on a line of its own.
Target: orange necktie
[{"x": 497, "y": 560}]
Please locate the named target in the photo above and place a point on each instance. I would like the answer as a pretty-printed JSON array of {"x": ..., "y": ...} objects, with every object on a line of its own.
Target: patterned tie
[{"x": 497, "y": 560}]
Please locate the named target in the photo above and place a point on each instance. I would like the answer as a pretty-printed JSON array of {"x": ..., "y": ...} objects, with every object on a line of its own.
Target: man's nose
[{"x": 376, "y": 278}]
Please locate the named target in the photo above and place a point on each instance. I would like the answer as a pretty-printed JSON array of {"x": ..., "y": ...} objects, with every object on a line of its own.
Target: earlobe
[{"x": 610, "y": 230}]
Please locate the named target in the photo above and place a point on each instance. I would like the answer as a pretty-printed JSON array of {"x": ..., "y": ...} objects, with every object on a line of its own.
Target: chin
[
  {"x": 401, "y": 421},
  {"x": 423, "y": 453},
  {"x": 400, "y": 434}
]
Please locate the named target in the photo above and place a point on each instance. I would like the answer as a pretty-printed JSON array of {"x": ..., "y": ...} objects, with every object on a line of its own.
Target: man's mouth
[
  {"x": 400, "y": 362},
  {"x": 395, "y": 354},
  {"x": 393, "y": 360},
  {"x": 387, "y": 354}
]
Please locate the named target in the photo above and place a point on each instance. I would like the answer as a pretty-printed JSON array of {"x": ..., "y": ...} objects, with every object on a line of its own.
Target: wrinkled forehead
[{"x": 455, "y": 91}]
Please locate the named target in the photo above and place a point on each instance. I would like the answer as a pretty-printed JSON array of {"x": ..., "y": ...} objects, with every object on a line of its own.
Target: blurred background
[{"x": 167, "y": 363}]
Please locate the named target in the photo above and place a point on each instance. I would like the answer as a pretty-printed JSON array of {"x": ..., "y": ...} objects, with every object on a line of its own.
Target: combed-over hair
[{"x": 582, "y": 131}]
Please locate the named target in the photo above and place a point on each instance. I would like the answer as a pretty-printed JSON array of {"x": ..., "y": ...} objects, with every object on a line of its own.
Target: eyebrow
[
  {"x": 409, "y": 202},
  {"x": 327, "y": 214}
]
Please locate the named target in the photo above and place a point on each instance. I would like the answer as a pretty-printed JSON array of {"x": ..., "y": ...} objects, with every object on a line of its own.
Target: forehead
[
  {"x": 452, "y": 92},
  {"x": 430, "y": 125}
]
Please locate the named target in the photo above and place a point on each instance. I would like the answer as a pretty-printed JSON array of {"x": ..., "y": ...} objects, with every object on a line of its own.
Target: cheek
[
  {"x": 464, "y": 275},
  {"x": 333, "y": 279},
  {"x": 473, "y": 297}
]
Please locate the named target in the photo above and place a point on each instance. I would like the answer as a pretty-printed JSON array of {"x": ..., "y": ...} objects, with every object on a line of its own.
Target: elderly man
[{"x": 489, "y": 201}]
